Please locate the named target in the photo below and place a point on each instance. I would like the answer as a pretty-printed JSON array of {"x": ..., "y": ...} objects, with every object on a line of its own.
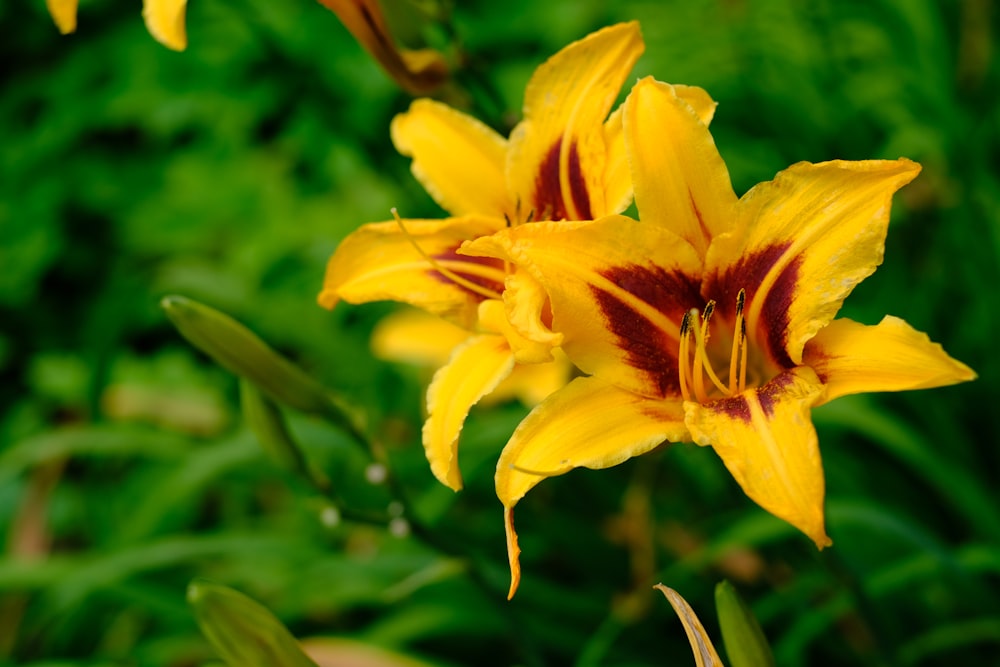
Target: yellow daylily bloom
[
  {"x": 712, "y": 320},
  {"x": 416, "y": 71},
  {"x": 564, "y": 160},
  {"x": 164, "y": 19}
]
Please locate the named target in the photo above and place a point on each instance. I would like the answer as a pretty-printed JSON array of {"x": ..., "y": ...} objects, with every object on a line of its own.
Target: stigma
[{"x": 697, "y": 378}]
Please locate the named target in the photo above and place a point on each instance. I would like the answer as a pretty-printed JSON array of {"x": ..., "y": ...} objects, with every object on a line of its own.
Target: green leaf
[
  {"x": 745, "y": 642},
  {"x": 242, "y": 631}
]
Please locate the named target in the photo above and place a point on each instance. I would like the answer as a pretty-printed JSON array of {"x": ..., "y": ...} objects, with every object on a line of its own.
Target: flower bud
[{"x": 745, "y": 642}]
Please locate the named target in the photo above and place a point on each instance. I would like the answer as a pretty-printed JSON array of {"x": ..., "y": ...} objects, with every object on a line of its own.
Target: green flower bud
[
  {"x": 745, "y": 642},
  {"x": 242, "y": 632}
]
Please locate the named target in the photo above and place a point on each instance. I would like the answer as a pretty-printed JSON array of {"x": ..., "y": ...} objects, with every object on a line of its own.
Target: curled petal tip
[{"x": 513, "y": 551}]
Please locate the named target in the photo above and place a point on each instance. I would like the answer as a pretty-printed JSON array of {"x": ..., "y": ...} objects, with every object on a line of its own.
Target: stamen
[
  {"x": 739, "y": 349},
  {"x": 702, "y": 364},
  {"x": 447, "y": 273},
  {"x": 683, "y": 355},
  {"x": 743, "y": 356}
]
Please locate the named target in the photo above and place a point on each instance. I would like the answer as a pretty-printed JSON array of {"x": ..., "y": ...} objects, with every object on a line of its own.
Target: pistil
[{"x": 692, "y": 373}]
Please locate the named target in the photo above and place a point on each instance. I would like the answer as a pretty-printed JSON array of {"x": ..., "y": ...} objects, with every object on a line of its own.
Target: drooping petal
[
  {"x": 803, "y": 241},
  {"x": 475, "y": 369},
  {"x": 557, "y": 160},
  {"x": 704, "y": 653},
  {"x": 418, "y": 72},
  {"x": 63, "y": 14},
  {"x": 416, "y": 337},
  {"x": 680, "y": 179},
  {"x": 618, "y": 290},
  {"x": 588, "y": 423},
  {"x": 165, "y": 22},
  {"x": 766, "y": 439},
  {"x": 378, "y": 261},
  {"x": 457, "y": 159},
  {"x": 852, "y": 358}
]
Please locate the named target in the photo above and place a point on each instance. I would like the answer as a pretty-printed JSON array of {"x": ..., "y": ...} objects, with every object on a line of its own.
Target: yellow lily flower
[
  {"x": 164, "y": 19},
  {"x": 712, "y": 320},
  {"x": 564, "y": 160}
]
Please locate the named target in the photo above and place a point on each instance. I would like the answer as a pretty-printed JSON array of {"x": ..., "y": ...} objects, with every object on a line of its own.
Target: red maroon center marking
[
  {"x": 450, "y": 256},
  {"x": 549, "y": 203}
]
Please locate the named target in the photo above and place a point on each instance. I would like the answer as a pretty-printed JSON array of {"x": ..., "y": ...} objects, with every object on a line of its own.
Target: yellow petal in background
[
  {"x": 557, "y": 156},
  {"x": 458, "y": 160},
  {"x": 704, "y": 653},
  {"x": 475, "y": 369},
  {"x": 852, "y": 358},
  {"x": 165, "y": 22},
  {"x": 63, "y": 13},
  {"x": 416, "y": 337},
  {"x": 766, "y": 439},
  {"x": 588, "y": 423},
  {"x": 680, "y": 179}
]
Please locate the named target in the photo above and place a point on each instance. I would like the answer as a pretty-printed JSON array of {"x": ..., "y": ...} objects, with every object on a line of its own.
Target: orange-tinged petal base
[{"x": 766, "y": 439}]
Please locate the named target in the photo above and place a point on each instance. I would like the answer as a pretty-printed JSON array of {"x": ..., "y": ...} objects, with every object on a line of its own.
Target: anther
[
  {"x": 738, "y": 355},
  {"x": 682, "y": 355}
]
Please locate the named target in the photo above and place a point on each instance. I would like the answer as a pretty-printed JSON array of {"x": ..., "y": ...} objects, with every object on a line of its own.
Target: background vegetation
[{"x": 229, "y": 172}]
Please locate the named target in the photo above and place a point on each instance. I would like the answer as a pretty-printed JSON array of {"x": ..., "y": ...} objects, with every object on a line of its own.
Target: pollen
[{"x": 696, "y": 376}]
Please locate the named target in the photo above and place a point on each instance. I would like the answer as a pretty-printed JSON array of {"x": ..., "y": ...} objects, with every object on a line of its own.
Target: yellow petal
[
  {"x": 457, "y": 159},
  {"x": 378, "y": 262},
  {"x": 766, "y": 439},
  {"x": 416, "y": 337},
  {"x": 533, "y": 383},
  {"x": 680, "y": 179},
  {"x": 588, "y": 423},
  {"x": 701, "y": 644},
  {"x": 618, "y": 290},
  {"x": 527, "y": 309},
  {"x": 803, "y": 241},
  {"x": 417, "y": 72},
  {"x": 493, "y": 317},
  {"x": 557, "y": 157},
  {"x": 165, "y": 22},
  {"x": 475, "y": 369},
  {"x": 851, "y": 358},
  {"x": 63, "y": 13},
  {"x": 617, "y": 177}
]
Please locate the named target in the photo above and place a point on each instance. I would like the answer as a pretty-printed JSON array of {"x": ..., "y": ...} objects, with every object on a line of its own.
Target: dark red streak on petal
[
  {"x": 450, "y": 257},
  {"x": 735, "y": 407},
  {"x": 771, "y": 392},
  {"x": 549, "y": 203},
  {"x": 648, "y": 348},
  {"x": 748, "y": 273}
]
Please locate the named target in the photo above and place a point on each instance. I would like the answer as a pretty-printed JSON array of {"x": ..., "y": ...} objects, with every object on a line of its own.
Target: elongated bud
[
  {"x": 745, "y": 642},
  {"x": 418, "y": 72},
  {"x": 242, "y": 632},
  {"x": 264, "y": 418},
  {"x": 239, "y": 350},
  {"x": 701, "y": 645}
]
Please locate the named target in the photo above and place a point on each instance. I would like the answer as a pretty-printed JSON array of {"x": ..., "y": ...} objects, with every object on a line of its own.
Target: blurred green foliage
[{"x": 229, "y": 172}]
